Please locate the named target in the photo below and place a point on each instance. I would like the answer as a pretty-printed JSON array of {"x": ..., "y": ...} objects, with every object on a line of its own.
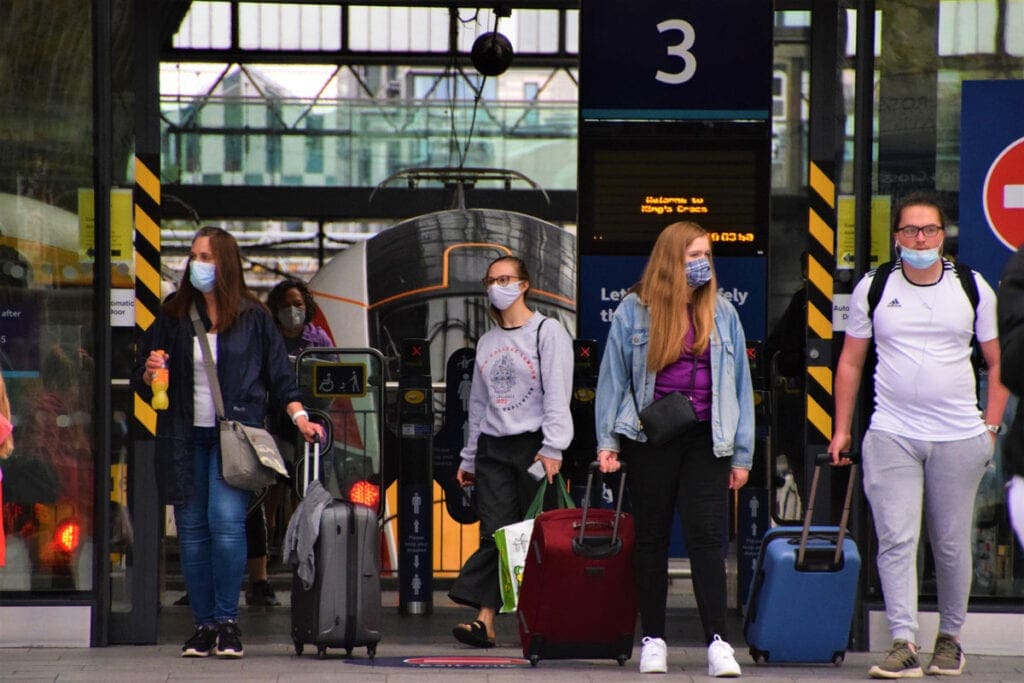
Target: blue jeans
[{"x": 211, "y": 535}]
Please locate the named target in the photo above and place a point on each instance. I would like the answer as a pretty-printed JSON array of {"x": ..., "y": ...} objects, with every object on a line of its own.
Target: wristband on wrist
[{"x": 297, "y": 414}]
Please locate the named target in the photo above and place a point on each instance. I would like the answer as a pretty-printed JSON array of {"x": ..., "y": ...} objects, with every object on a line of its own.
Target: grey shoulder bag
[{"x": 249, "y": 458}]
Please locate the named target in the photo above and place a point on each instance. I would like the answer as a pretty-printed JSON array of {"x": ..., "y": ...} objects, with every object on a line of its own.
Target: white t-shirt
[
  {"x": 204, "y": 414},
  {"x": 924, "y": 381}
]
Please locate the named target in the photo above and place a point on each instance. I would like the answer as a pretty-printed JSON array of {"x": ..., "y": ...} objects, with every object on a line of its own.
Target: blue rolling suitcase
[{"x": 802, "y": 596}]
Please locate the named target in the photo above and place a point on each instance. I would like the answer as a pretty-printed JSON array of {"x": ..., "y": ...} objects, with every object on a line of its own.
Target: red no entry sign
[{"x": 1003, "y": 195}]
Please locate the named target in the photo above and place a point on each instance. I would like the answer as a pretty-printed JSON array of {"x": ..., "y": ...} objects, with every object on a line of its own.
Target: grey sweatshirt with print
[{"x": 507, "y": 398}]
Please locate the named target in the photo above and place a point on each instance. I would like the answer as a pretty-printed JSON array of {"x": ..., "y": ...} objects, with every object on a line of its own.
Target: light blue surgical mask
[
  {"x": 919, "y": 258},
  {"x": 698, "y": 272},
  {"x": 202, "y": 276}
]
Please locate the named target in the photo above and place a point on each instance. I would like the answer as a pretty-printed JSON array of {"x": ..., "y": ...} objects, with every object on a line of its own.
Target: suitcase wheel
[
  {"x": 621, "y": 659},
  {"x": 298, "y": 648},
  {"x": 371, "y": 651},
  {"x": 838, "y": 657},
  {"x": 534, "y": 659},
  {"x": 321, "y": 652},
  {"x": 348, "y": 652},
  {"x": 759, "y": 656}
]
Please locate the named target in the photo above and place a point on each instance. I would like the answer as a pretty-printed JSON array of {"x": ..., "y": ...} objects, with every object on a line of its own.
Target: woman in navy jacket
[{"x": 254, "y": 375}]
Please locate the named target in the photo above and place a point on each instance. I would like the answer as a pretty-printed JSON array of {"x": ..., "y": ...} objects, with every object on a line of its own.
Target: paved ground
[{"x": 270, "y": 655}]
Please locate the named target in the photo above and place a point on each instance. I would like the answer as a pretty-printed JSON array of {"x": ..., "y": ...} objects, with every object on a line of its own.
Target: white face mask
[
  {"x": 503, "y": 297},
  {"x": 291, "y": 317}
]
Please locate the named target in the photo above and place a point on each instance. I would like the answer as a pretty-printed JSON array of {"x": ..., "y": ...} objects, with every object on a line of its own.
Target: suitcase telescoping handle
[
  {"x": 592, "y": 470},
  {"x": 310, "y": 474},
  {"x": 820, "y": 461}
]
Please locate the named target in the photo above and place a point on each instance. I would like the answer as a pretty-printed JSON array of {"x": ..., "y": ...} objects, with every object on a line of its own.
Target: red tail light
[
  {"x": 67, "y": 536},
  {"x": 363, "y": 492}
]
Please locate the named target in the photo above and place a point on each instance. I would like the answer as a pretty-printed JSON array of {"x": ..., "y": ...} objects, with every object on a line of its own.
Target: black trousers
[
  {"x": 682, "y": 474},
  {"x": 504, "y": 490}
]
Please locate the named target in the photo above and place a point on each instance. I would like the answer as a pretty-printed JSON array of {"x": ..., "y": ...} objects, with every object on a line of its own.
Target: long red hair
[{"x": 663, "y": 288}]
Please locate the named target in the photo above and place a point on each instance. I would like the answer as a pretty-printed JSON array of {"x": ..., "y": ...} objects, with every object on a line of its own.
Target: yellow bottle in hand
[{"x": 161, "y": 381}]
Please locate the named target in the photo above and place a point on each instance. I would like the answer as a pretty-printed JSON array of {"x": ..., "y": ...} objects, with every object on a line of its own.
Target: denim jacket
[{"x": 732, "y": 393}]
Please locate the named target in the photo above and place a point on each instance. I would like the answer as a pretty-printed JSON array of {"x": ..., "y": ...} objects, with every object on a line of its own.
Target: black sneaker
[
  {"x": 201, "y": 643},
  {"x": 229, "y": 640},
  {"x": 261, "y": 593}
]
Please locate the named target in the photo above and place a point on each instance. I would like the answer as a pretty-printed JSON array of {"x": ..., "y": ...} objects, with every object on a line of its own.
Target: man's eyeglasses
[
  {"x": 501, "y": 280},
  {"x": 911, "y": 231}
]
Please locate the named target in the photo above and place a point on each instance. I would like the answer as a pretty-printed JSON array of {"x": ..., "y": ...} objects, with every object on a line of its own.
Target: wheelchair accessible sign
[{"x": 991, "y": 175}]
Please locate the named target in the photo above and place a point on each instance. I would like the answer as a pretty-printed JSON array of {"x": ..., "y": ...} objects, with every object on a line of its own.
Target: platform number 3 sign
[{"x": 679, "y": 50}]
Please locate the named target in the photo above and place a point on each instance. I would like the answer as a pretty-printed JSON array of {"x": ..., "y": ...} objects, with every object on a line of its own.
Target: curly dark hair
[{"x": 275, "y": 299}]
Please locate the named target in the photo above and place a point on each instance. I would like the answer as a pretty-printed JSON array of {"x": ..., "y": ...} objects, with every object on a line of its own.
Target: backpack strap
[
  {"x": 540, "y": 371},
  {"x": 877, "y": 286},
  {"x": 970, "y": 285}
]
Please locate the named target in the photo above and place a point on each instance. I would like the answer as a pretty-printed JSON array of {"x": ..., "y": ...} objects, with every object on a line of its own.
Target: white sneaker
[
  {"x": 721, "y": 662},
  {"x": 653, "y": 656}
]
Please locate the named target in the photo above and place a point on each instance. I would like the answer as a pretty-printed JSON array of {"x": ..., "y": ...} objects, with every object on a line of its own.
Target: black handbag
[{"x": 669, "y": 416}]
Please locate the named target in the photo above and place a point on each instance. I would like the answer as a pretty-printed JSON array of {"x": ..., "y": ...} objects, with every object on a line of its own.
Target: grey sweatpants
[{"x": 899, "y": 473}]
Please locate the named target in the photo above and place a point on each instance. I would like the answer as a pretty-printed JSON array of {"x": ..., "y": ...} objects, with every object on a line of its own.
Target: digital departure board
[{"x": 633, "y": 184}]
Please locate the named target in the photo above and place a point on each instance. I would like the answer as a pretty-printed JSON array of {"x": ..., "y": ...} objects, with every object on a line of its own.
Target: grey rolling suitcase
[{"x": 342, "y": 608}]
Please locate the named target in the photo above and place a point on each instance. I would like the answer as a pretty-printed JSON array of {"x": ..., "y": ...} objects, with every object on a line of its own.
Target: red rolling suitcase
[{"x": 577, "y": 598}]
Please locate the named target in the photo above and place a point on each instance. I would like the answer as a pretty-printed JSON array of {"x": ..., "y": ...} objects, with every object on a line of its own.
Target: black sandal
[{"x": 475, "y": 635}]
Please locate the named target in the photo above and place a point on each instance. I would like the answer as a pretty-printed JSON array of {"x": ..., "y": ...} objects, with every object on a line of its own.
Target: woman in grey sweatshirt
[{"x": 518, "y": 416}]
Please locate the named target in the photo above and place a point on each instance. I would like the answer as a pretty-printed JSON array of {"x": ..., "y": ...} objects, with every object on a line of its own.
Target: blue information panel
[
  {"x": 991, "y": 175},
  {"x": 604, "y": 281},
  {"x": 675, "y": 59}
]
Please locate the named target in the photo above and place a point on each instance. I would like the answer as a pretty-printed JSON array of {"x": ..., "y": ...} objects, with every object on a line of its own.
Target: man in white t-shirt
[{"x": 928, "y": 444}]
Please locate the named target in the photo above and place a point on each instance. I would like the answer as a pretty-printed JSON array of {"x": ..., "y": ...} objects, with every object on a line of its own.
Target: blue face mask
[
  {"x": 919, "y": 258},
  {"x": 202, "y": 276},
  {"x": 698, "y": 272}
]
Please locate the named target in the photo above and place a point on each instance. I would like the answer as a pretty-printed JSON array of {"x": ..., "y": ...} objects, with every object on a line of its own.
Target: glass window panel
[
  {"x": 398, "y": 29},
  {"x": 207, "y": 25},
  {"x": 268, "y": 28},
  {"x": 291, "y": 27},
  {"x": 1014, "y": 32},
  {"x": 572, "y": 31},
  {"x": 474, "y": 21},
  {"x": 851, "y": 33},
  {"x": 423, "y": 37},
  {"x": 967, "y": 27},
  {"x": 46, "y": 299},
  {"x": 528, "y": 30},
  {"x": 274, "y": 26}
]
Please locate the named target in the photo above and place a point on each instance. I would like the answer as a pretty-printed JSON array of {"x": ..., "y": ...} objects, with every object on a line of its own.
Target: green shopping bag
[{"x": 513, "y": 542}]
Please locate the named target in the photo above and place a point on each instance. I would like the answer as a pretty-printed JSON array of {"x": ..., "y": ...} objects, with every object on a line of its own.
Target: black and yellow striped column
[
  {"x": 147, "y": 260},
  {"x": 821, "y": 263}
]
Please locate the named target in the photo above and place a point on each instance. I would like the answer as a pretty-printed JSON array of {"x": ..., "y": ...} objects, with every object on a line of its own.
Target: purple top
[
  {"x": 682, "y": 376},
  {"x": 312, "y": 335}
]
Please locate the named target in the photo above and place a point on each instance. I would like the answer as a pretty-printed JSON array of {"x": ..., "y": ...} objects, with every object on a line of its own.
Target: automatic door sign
[
  {"x": 339, "y": 379},
  {"x": 1003, "y": 195}
]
